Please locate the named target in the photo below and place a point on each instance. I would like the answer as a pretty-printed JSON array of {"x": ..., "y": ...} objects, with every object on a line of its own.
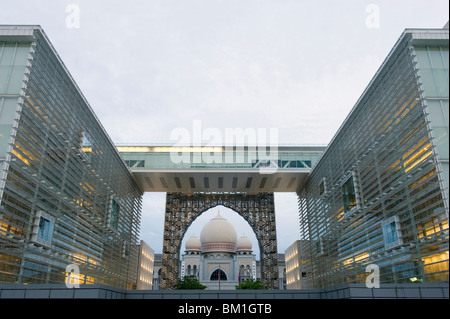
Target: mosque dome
[
  {"x": 193, "y": 244},
  {"x": 218, "y": 235},
  {"x": 244, "y": 244}
]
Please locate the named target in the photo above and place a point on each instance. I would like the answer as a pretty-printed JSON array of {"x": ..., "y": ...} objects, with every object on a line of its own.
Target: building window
[
  {"x": 126, "y": 249},
  {"x": 391, "y": 232},
  {"x": 44, "y": 225},
  {"x": 114, "y": 214},
  {"x": 319, "y": 246},
  {"x": 349, "y": 194},
  {"x": 86, "y": 145},
  {"x": 322, "y": 187},
  {"x": 218, "y": 274},
  {"x": 45, "y": 230}
]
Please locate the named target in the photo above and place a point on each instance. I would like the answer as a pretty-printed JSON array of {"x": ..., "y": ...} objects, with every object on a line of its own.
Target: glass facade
[
  {"x": 433, "y": 64},
  {"x": 66, "y": 195},
  {"x": 379, "y": 194},
  {"x": 219, "y": 157}
]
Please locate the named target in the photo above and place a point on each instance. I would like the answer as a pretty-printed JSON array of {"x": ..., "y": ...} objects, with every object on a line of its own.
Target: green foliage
[
  {"x": 250, "y": 284},
  {"x": 189, "y": 282}
]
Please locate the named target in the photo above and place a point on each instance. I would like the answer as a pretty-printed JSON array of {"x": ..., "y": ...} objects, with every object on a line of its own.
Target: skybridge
[{"x": 190, "y": 169}]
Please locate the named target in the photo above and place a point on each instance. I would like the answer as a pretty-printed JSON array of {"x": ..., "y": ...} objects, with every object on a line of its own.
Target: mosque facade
[{"x": 218, "y": 258}]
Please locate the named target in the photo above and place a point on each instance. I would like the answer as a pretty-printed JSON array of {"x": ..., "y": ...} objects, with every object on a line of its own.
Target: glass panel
[
  {"x": 5, "y": 132},
  {"x": 86, "y": 145},
  {"x": 436, "y": 58},
  {"x": 45, "y": 231},
  {"x": 114, "y": 216},
  {"x": 422, "y": 58},
  {"x": 8, "y": 107},
  {"x": 16, "y": 78},
  {"x": 21, "y": 57},
  {"x": 6, "y": 53},
  {"x": 348, "y": 194},
  {"x": 439, "y": 110},
  {"x": 426, "y": 76},
  {"x": 433, "y": 66},
  {"x": 390, "y": 233},
  {"x": 441, "y": 77},
  {"x": 13, "y": 59},
  {"x": 4, "y": 78},
  {"x": 322, "y": 188},
  {"x": 441, "y": 139},
  {"x": 435, "y": 109}
]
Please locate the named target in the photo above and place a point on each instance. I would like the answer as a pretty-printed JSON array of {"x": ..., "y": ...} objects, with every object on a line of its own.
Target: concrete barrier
[{"x": 438, "y": 290}]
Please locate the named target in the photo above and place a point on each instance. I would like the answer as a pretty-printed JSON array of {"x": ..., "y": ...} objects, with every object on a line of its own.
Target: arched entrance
[
  {"x": 182, "y": 209},
  {"x": 217, "y": 275}
]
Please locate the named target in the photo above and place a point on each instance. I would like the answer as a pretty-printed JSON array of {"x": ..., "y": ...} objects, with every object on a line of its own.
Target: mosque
[{"x": 219, "y": 259}]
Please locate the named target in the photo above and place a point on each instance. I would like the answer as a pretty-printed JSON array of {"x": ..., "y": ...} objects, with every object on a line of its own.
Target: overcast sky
[{"x": 148, "y": 67}]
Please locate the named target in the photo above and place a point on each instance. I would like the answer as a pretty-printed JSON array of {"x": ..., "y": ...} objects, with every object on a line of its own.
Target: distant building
[
  {"x": 293, "y": 273},
  {"x": 157, "y": 271},
  {"x": 219, "y": 259},
  {"x": 145, "y": 267}
]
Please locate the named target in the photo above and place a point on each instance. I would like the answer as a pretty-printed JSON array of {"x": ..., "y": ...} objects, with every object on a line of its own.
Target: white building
[
  {"x": 219, "y": 259},
  {"x": 145, "y": 267},
  {"x": 296, "y": 258}
]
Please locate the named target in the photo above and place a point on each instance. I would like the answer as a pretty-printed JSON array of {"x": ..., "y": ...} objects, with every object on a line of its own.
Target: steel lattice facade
[
  {"x": 182, "y": 209},
  {"x": 379, "y": 194},
  {"x": 67, "y": 197}
]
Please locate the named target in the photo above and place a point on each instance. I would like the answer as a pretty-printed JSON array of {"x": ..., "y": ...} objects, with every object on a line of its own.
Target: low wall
[{"x": 349, "y": 291}]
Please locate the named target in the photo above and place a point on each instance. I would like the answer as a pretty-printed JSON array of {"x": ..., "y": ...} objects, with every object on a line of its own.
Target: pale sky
[{"x": 148, "y": 67}]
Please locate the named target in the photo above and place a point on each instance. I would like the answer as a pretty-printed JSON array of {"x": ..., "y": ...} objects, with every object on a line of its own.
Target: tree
[
  {"x": 250, "y": 284},
  {"x": 189, "y": 282}
]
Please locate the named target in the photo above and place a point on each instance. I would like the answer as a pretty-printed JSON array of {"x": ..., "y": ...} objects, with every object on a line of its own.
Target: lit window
[
  {"x": 349, "y": 195},
  {"x": 86, "y": 145}
]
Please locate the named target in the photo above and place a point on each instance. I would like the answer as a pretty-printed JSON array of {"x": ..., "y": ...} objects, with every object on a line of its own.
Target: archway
[{"x": 182, "y": 209}]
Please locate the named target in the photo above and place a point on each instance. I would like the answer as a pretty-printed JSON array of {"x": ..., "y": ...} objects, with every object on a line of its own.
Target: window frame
[
  {"x": 51, "y": 221},
  {"x": 398, "y": 235},
  {"x": 350, "y": 208},
  {"x": 86, "y": 141},
  {"x": 113, "y": 223}
]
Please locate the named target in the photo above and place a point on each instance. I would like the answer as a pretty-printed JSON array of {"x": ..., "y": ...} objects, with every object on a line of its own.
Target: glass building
[
  {"x": 379, "y": 194},
  {"x": 68, "y": 201}
]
